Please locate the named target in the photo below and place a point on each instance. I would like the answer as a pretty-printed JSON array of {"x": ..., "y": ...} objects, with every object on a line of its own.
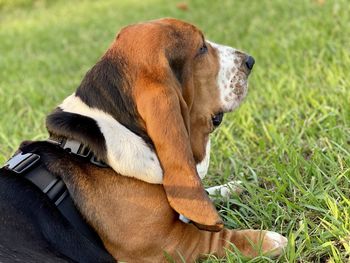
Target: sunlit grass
[{"x": 289, "y": 143}]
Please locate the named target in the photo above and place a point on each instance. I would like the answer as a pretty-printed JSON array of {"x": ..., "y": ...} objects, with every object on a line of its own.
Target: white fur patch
[
  {"x": 232, "y": 80},
  {"x": 127, "y": 153},
  {"x": 202, "y": 167}
]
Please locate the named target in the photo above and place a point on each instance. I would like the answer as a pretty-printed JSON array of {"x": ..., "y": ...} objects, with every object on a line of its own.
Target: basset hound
[{"x": 146, "y": 109}]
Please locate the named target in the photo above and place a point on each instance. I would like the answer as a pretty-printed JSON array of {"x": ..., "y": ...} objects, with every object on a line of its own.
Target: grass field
[{"x": 289, "y": 143}]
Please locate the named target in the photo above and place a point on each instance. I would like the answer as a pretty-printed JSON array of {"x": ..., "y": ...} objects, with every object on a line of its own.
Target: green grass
[{"x": 289, "y": 142}]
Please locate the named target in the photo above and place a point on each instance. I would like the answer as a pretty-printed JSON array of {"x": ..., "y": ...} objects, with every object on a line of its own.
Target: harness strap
[{"x": 29, "y": 165}]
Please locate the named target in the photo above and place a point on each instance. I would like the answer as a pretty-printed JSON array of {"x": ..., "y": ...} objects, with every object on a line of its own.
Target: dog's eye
[
  {"x": 203, "y": 49},
  {"x": 217, "y": 119}
]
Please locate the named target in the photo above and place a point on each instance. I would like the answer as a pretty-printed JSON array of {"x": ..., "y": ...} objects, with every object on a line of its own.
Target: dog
[{"x": 146, "y": 109}]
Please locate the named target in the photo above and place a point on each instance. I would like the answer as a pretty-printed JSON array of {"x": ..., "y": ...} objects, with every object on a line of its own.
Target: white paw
[
  {"x": 225, "y": 190},
  {"x": 275, "y": 242}
]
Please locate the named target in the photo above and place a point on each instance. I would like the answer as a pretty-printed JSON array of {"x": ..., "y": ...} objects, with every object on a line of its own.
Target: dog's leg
[{"x": 250, "y": 243}]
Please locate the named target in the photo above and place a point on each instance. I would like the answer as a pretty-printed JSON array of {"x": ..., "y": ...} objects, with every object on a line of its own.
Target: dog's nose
[{"x": 250, "y": 62}]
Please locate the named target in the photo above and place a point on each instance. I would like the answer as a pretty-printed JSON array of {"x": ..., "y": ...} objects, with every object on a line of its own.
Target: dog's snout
[{"x": 250, "y": 61}]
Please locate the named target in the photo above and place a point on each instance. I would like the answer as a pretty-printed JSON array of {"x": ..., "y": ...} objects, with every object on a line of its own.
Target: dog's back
[
  {"x": 22, "y": 215},
  {"x": 33, "y": 230}
]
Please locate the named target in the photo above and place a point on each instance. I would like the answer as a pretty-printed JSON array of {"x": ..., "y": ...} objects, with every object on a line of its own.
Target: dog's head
[
  {"x": 167, "y": 84},
  {"x": 172, "y": 58}
]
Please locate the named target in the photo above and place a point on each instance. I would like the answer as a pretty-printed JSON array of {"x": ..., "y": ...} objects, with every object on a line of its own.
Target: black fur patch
[
  {"x": 32, "y": 228},
  {"x": 107, "y": 88},
  {"x": 177, "y": 66},
  {"x": 77, "y": 127},
  {"x": 175, "y": 54}
]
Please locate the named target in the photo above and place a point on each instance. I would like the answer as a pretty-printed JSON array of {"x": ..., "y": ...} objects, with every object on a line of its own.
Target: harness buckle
[
  {"x": 21, "y": 162},
  {"x": 76, "y": 147}
]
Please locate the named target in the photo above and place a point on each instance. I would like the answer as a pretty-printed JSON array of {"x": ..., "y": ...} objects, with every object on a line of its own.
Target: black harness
[{"x": 31, "y": 168}]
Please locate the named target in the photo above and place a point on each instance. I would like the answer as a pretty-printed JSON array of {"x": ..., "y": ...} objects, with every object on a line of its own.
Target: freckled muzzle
[{"x": 235, "y": 67}]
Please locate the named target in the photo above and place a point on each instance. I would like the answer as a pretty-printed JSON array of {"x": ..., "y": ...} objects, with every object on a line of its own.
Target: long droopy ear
[{"x": 166, "y": 116}]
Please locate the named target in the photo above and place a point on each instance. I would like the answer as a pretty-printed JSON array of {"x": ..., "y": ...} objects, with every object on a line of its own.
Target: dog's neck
[{"x": 124, "y": 151}]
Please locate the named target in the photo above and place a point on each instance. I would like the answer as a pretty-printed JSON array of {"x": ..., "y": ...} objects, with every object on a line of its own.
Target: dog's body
[{"x": 146, "y": 108}]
